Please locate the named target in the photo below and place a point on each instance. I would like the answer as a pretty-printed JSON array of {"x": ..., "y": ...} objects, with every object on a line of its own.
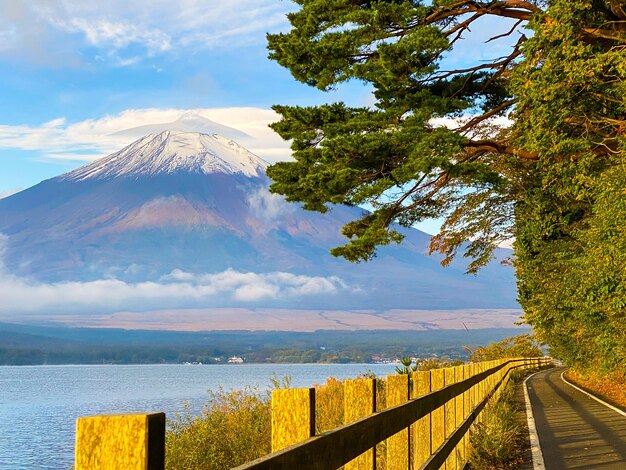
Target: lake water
[{"x": 39, "y": 404}]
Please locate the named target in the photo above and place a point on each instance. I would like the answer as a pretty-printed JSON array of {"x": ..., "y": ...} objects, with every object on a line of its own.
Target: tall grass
[
  {"x": 234, "y": 428},
  {"x": 328, "y": 405},
  {"x": 497, "y": 442}
]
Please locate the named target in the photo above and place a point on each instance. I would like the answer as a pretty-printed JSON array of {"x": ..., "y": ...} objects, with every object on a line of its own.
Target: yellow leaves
[
  {"x": 611, "y": 386},
  {"x": 549, "y": 22}
]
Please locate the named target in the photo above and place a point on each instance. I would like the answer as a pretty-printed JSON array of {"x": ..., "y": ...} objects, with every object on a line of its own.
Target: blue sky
[
  {"x": 70, "y": 66},
  {"x": 79, "y": 75},
  {"x": 77, "y": 72}
]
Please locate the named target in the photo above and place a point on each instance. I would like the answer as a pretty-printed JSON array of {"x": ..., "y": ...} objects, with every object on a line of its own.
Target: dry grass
[
  {"x": 497, "y": 442},
  {"x": 611, "y": 387},
  {"x": 234, "y": 428},
  {"x": 328, "y": 405}
]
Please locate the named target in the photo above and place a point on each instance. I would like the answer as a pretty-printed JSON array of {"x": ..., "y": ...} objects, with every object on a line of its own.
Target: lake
[{"x": 39, "y": 404}]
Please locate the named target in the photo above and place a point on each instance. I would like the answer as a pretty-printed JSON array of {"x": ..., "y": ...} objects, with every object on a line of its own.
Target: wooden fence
[{"x": 424, "y": 425}]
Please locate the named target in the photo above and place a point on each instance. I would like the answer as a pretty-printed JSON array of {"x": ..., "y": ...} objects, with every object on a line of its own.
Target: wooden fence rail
[
  {"x": 444, "y": 445},
  {"x": 425, "y": 425}
]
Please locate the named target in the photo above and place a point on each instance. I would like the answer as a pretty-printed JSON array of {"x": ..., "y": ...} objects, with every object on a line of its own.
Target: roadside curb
[{"x": 535, "y": 447}]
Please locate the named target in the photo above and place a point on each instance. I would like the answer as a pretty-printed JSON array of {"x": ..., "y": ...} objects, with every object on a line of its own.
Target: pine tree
[{"x": 540, "y": 178}]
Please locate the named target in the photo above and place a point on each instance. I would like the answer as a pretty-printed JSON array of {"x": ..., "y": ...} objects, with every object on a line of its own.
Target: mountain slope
[
  {"x": 172, "y": 152},
  {"x": 189, "y": 204}
]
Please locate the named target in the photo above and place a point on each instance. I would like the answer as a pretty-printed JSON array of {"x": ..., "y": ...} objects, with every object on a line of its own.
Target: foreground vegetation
[
  {"x": 499, "y": 440},
  {"x": 235, "y": 428},
  {"x": 611, "y": 387}
]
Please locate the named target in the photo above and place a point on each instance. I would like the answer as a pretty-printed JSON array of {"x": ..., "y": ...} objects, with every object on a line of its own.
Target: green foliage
[
  {"x": 390, "y": 156},
  {"x": 516, "y": 346},
  {"x": 553, "y": 178},
  {"x": 407, "y": 366},
  {"x": 82, "y": 346},
  {"x": 570, "y": 256}
]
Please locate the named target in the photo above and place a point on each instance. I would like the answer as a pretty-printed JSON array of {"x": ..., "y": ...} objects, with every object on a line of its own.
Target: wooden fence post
[
  {"x": 450, "y": 411},
  {"x": 293, "y": 416},
  {"x": 111, "y": 442},
  {"x": 359, "y": 401},
  {"x": 467, "y": 406},
  {"x": 420, "y": 431},
  {"x": 478, "y": 368},
  {"x": 398, "y": 444},
  {"x": 483, "y": 383},
  {"x": 438, "y": 416},
  {"x": 460, "y": 416},
  {"x": 499, "y": 375}
]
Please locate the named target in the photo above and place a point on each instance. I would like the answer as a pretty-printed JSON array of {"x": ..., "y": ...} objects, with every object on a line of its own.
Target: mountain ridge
[
  {"x": 172, "y": 151},
  {"x": 137, "y": 218}
]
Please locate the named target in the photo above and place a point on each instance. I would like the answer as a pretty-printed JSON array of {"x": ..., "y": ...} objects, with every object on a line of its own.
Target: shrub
[
  {"x": 234, "y": 428},
  {"x": 436, "y": 363},
  {"x": 516, "y": 346},
  {"x": 408, "y": 366}
]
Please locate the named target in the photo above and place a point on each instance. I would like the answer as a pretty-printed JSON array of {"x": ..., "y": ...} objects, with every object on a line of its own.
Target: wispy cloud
[
  {"x": 93, "y": 138},
  {"x": 9, "y": 192},
  {"x": 179, "y": 288},
  {"x": 270, "y": 208},
  {"x": 125, "y": 32},
  {"x": 109, "y": 35}
]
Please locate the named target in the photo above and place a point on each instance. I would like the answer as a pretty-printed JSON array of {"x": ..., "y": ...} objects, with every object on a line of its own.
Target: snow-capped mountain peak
[{"x": 172, "y": 152}]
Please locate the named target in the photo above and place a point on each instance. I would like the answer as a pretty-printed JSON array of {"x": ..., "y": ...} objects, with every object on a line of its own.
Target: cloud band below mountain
[{"x": 20, "y": 295}]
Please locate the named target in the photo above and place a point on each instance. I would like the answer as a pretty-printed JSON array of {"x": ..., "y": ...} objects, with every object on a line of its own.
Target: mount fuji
[{"x": 180, "y": 206}]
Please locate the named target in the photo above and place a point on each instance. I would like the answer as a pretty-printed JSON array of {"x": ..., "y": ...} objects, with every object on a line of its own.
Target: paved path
[{"x": 575, "y": 431}]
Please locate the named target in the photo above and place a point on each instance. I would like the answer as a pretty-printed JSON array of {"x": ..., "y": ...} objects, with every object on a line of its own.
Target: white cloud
[
  {"x": 124, "y": 32},
  {"x": 485, "y": 129},
  {"x": 93, "y": 138},
  {"x": 9, "y": 192},
  {"x": 106, "y": 34},
  {"x": 269, "y": 207},
  {"x": 508, "y": 244},
  {"x": 256, "y": 291},
  {"x": 179, "y": 288}
]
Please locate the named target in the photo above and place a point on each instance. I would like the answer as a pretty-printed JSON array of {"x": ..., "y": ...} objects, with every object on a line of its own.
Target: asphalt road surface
[{"x": 574, "y": 430}]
